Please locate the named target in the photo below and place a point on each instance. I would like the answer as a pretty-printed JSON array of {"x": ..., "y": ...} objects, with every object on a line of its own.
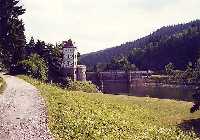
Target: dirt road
[{"x": 22, "y": 112}]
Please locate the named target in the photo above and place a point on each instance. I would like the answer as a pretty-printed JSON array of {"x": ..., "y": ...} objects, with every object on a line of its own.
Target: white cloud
[{"x": 99, "y": 24}]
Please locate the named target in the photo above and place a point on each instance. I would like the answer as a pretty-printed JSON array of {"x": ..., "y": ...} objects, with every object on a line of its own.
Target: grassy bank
[{"x": 79, "y": 115}]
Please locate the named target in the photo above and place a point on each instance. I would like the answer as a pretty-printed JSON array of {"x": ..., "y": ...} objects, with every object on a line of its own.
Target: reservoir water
[{"x": 183, "y": 93}]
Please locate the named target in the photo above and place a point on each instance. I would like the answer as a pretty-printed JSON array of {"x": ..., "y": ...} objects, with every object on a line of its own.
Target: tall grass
[
  {"x": 83, "y": 86},
  {"x": 79, "y": 115}
]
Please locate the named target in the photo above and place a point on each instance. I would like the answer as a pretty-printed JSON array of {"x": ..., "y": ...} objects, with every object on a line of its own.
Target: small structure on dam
[{"x": 117, "y": 81}]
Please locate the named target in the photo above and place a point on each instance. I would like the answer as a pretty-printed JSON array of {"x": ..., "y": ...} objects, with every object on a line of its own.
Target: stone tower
[
  {"x": 69, "y": 64},
  {"x": 70, "y": 67},
  {"x": 81, "y": 73}
]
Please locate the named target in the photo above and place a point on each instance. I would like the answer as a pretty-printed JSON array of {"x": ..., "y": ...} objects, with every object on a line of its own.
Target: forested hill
[{"x": 178, "y": 44}]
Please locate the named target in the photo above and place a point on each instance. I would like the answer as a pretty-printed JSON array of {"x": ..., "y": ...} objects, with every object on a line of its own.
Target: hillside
[
  {"x": 182, "y": 39},
  {"x": 79, "y": 115}
]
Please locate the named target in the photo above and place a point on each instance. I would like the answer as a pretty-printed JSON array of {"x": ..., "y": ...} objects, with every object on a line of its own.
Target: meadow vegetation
[
  {"x": 80, "y": 115},
  {"x": 84, "y": 86}
]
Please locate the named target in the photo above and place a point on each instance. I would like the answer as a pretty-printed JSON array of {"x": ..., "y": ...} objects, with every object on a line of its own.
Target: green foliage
[
  {"x": 121, "y": 63},
  {"x": 196, "y": 73},
  {"x": 82, "y": 86},
  {"x": 196, "y": 98},
  {"x": 101, "y": 67},
  {"x": 50, "y": 54},
  {"x": 2, "y": 66},
  {"x": 12, "y": 38},
  {"x": 196, "y": 79},
  {"x": 2, "y": 84},
  {"x": 78, "y": 57},
  {"x": 35, "y": 66},
  {"x": 169, "y": 69},
  {"x": 78, "y": 115},
  {"x": 178, "y": 77},
  {"x": 190, "y": 76}
]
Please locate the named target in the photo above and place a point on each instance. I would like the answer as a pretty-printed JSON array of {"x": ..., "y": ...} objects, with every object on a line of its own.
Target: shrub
[
  {"x": 82, "y": 86},
  {"x": 2, "y": 66},
  {"x": 2, "y": 85},
  {"x": 169, "y": 69},
  {"x": 35, "y": 66}
]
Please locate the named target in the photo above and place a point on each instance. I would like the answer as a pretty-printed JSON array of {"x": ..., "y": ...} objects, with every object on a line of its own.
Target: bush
[
  {"x": 2, "y": 85},
  {"x": 82, "y": 86},
  {"x": 35, "y": 66},
  {"x": 2, "y": 66}
]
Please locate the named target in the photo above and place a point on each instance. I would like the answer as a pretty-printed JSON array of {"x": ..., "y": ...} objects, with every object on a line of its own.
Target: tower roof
[{"x": 68, "y": 44}]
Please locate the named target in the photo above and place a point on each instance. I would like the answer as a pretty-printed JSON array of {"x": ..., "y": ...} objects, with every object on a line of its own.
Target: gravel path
[{"x": 22, "y": 112}]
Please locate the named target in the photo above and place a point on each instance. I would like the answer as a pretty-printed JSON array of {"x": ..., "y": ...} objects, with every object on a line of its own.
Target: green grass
[
  {"x": 79, "y": 115},
  {"x": 83, "y": 86}
]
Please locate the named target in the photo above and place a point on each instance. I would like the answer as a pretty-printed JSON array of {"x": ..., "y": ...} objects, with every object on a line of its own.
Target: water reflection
[{"x": 183, "y": 93}]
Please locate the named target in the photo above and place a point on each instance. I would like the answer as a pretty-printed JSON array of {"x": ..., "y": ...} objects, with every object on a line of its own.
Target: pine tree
[
  {"x": 12, "y": 38},
  {"x": 30, "y": 47}
]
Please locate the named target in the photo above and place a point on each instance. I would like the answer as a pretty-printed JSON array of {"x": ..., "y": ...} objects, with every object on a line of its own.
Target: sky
[{"x": 98, "y": 24}]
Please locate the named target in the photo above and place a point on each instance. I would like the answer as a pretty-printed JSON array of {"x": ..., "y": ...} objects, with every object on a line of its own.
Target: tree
[
  {"x": 12, "y": 38},
  {"x": 78, "y": 57},
  {"x": 100, "y": 67},
  {"x": 196, "y": 96},
  {"x": 169, "y": 68},
  {"x": 121, "y": 63},
  {"x": 168, "y": 44},
  {"x": 35, "y": 66},
  {"x": 50, "y": 54},
  {"x": 30, "y": 47},
  {"x": 197, "y": 72},
  {"x": 189, "y": 74}
]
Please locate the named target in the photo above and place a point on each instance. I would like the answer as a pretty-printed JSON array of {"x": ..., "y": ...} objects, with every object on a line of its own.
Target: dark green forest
[{"x": 178, "y": 44}]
